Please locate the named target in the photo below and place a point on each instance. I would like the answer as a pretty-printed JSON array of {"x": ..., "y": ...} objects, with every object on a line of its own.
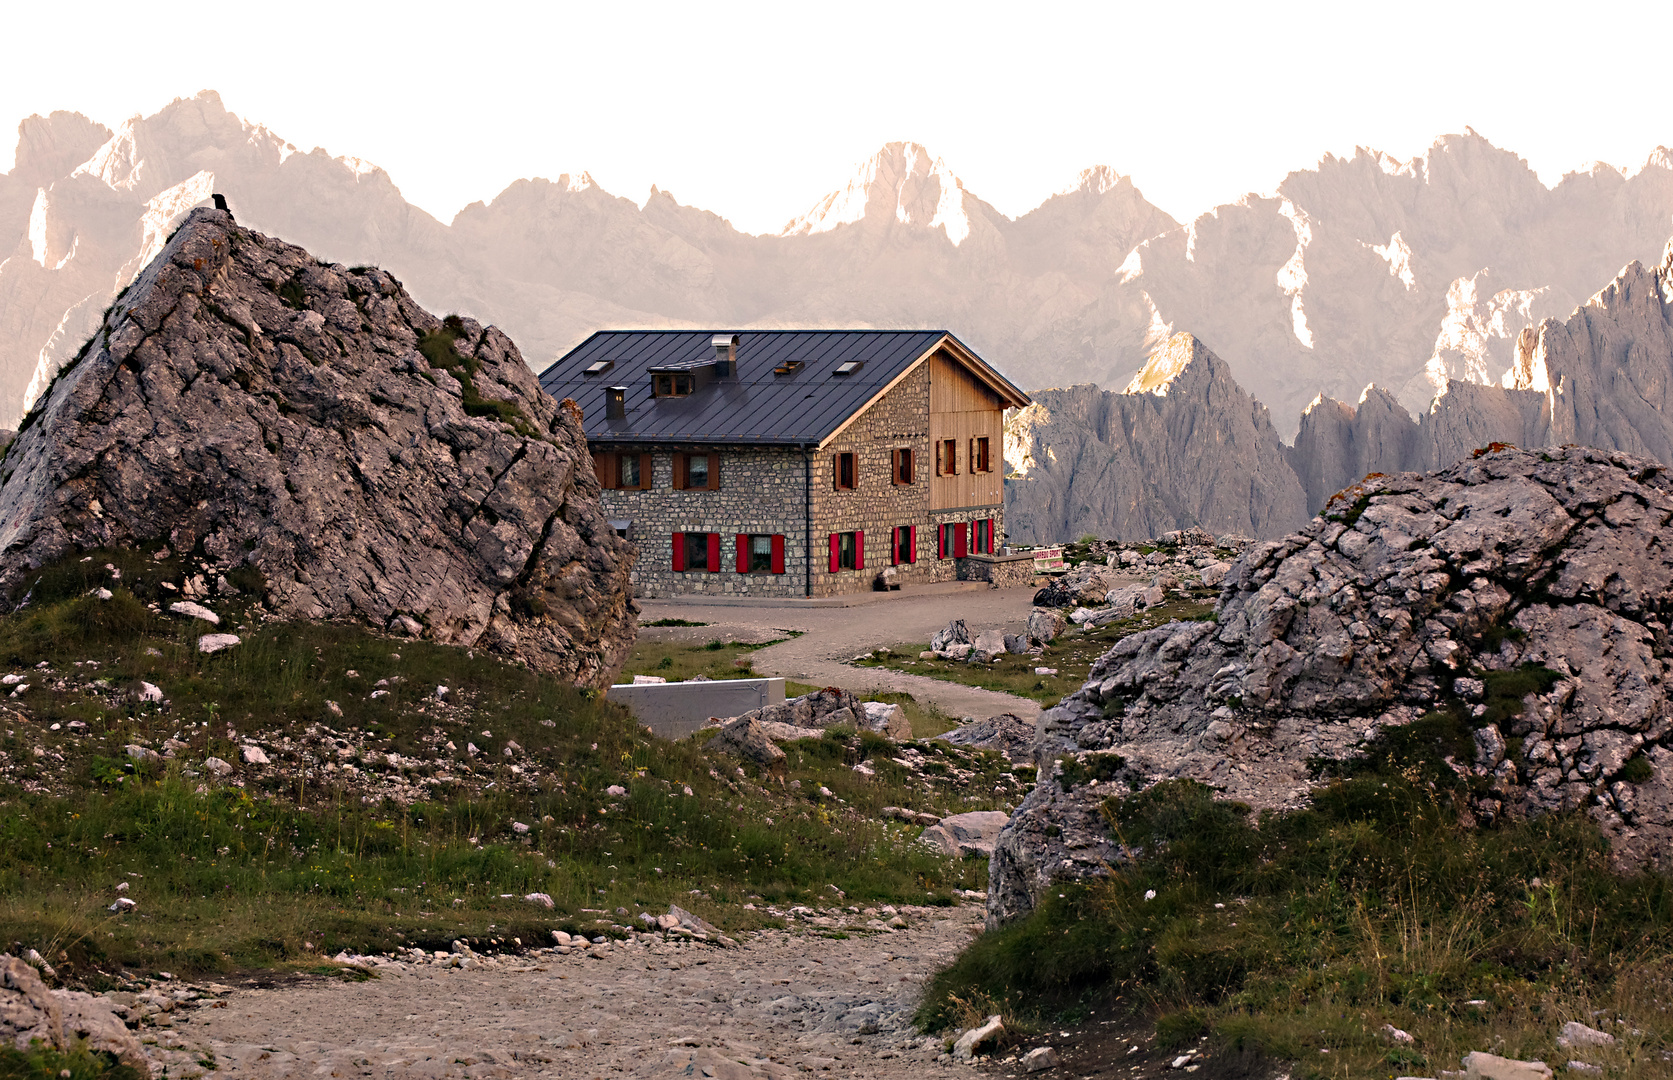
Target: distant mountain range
[{"x": 1356, "y": 271}]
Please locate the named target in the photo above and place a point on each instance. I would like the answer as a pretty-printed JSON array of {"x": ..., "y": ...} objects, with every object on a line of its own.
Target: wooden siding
[{"x": 962, "y": 409}]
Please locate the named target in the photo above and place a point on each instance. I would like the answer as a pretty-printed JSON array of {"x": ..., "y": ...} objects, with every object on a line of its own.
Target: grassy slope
[
  {"x": 1301, "y": 935},
  {"x": 279, "y": 865}
]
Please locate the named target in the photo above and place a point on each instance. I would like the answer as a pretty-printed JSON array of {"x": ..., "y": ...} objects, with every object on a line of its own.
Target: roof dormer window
[{"x": 671, "y": 384}]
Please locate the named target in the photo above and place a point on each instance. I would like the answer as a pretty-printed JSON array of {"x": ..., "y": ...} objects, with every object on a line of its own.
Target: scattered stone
[
  {"x": 214, "y": 643},
  {"x": 123, "y": 904},
  {"x": 745, "y": 738},
  {"x": 1007, "y": 733},
  {"x": 1039, "y": 1059},
  {"x": 540, "y": 898},
  {"x": 150, "y": 693},
  {"x": 955, "y": 633},
  {"x": 141, "y": 754},
  {"x": 1574, "y": 1034},
  {"x": 1483, "y": 1066},
  {"x": 615, "y": 791},
  {"x": 195, "y": 611},
  {"x": 886, "y": 718},
  {"x": 254, "y": 755},
  {"x": 972, "y": 1041},
  {"x": 966, "y": 834},
  {"x": 216, "y": 766}
]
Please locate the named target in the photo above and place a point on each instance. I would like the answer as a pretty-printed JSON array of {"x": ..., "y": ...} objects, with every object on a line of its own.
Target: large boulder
[
  {"x": 1521, "y": 592},
  {"x": 1007, "y": 733},
  {"x": 745, "y": 737},
  {"x": 248, "y": 404}
]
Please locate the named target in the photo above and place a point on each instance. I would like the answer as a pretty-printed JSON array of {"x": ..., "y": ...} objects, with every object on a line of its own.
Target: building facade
[{"x": 792, "y": 463}]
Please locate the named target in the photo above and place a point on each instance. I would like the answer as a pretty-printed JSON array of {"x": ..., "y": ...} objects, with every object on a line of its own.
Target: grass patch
[
  {"x": 1072, "y": 654},
  {"x": 1297, "y": 936},
  {"x": 376, "y": 825},
  {"x": 439, "y": 347},
  {"x": 678, "y": 661}
]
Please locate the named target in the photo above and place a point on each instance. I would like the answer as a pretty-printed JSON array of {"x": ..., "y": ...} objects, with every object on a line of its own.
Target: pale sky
[{"x": 755, "y": 111}]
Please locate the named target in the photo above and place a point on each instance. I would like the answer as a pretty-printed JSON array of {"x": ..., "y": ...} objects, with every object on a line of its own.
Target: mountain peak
[
  {"x": 1168, "y": 363},
  {"x": 900, "y": 184}
]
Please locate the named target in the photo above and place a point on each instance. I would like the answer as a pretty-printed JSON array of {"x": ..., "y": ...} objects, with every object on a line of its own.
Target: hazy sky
[{"x": 755, "y": 111}]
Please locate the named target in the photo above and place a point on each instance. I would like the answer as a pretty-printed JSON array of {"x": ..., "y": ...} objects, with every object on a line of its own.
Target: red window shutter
[
  {"x": 743, "y": 553},
  {"x": 941, "y": 541},
  {"x": 912, "y": 543},
  {"x": 679, "y": 551},
  {"x": 859, "y": 551},
  {"x": 834, "y": 541},
  {"x": 778, "y": 554},
  {"x": 961, "y": 544},
  {"x": 992, "y": 540},
  {"x": 894, "y": 546},
  {"x": 714, "y": 552}
]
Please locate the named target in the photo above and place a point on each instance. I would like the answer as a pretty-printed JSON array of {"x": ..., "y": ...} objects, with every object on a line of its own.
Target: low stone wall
[
  {"x": 1003, "y": 571},
  {"x": 675, "y": 710}
]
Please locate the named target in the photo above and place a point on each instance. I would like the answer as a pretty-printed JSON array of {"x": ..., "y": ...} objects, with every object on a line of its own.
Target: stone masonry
[{"x": 792, "y": 493}]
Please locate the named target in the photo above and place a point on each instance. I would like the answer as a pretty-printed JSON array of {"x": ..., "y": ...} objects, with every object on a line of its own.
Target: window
[
  {"x": 843, "y": 470},
  {"x": 697, "y": 472},
  {"x": 696, "y": 551},
  {"x": 902, "y": 466},
  {"x": 982, "y": 536},
  {"x": 905, "y": 544},
  {"x": 951, "y": 541},
  {"x": 671, "y": 383},
  {"x": 848, "y": 551},
  {"x": 622, "y": 470},
  {"x": 760, "y": 553},
  {"x": 946, "y": 457},
  {"x": 621, "y": 526},
  {"x": 979, "y": 455}
]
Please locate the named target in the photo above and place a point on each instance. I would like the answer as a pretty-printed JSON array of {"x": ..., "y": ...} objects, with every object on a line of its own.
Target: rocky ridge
[
  {"x": 251, "y": 406},
  {"x": 1518, "y": 599}
]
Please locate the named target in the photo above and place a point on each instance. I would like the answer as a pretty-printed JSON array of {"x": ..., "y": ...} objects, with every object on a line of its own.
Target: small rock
[
  {"x": 648, "y": 680},
  {"x": 615, "y": 791},
  {"x": 148, "y": 692},
  {"x": 123, "y": 904},
  {"x": 1483, "y": 1066},
  {"x": 1575, "y": 1034},
  {"x": 140, "y": 753},
  {"x": 195, "y": 611},
  {"x": 519, "y": 828},
  {"x": 212, "y": 643},
  {"x": 977, "y": 1037},
  {"x": 217, "y": 766},
  {"x": 1394, "y": 1033},
  {"x": 1039, "y": 1058},
  {"x": 254, "y": 755},
  {"x": 540, "y": 898}
]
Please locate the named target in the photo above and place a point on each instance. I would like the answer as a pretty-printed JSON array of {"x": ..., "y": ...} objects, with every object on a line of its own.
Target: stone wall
[{"x": 765, "y": 490}]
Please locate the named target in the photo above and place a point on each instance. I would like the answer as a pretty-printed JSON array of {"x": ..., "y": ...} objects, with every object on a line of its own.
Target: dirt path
[
  {"x": 831, "y": 635},
  {"x": 780, "y": 1004}
]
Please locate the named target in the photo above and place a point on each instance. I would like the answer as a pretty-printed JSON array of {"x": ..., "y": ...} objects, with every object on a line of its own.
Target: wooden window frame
[
  {"x": 946, "y": 457},
  {"x": 852, "y": 461},
  {"x": 981, "y": 460},
  {"x": 672, "y": 384},
  {"x": 901, "y": 466},
  {"x": 709, "y": 545},
  {"x": 682, "y": 471},
  {"x": 609, "y": 468},
  {"x": 908, "y": 534},
  {"x": 745, "y": 554},
  {"x": 856, "y": 551}
]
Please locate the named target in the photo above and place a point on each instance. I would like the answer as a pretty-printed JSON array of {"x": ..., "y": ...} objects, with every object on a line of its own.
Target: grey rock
[
  {"x": 1575, "y": 1034},
  {"x": 1367, "y": 618},
  {"x": 1183, "y": 445},
  {"x": 974, "y": 833},
  {"x": 886, "y": 718},
  {"x": 251, "y": 402},
  {"x": 1044, "y": 625},
  {"x": 971, "y": 1042},
  {"x": 745, "y": 738},
  {"x": 1007, "y": 733},
  {"x": 1479, "y": 1065},
  {"x": 60, "y": 1019},
  {"x": 956, "y": 633},
  {"x": 1039, "y": 1059},
  {"x": 991, "y": 642}
]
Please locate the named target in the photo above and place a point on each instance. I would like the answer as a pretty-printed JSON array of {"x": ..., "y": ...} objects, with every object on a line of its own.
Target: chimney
[
  {"x": 726, "y": 355},
  {"x": 615, "y": 403}
]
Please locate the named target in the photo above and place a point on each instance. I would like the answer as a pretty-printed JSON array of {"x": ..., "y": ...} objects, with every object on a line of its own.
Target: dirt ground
[
  {"x": 833, "y": 1000},
  {"x": 832, "y": 634}
]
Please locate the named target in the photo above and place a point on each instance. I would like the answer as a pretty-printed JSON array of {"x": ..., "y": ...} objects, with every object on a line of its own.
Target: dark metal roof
[{"x": 754, "y": 406}]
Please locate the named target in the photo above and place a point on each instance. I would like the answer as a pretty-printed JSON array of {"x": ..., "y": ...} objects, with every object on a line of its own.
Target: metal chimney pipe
[{"x": 726, "y": 354}]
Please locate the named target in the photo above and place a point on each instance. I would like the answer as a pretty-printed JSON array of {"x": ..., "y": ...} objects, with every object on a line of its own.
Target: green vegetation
[
  {"x": 1299, "y": 935},
  {"x": 44, "y": 1064},
  {"x": 440, "y": 350},
  {"x": 1072, "y": 654},
  {"x": 276, "y": 867}
]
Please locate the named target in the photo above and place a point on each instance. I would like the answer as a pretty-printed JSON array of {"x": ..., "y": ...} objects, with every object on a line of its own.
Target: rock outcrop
[
  {"x": 1522, "y": 594},
  {"x": 254, "y": 406},
  {"x": 33, "y": 1013},
  {"x": 1183, "y": 446}
]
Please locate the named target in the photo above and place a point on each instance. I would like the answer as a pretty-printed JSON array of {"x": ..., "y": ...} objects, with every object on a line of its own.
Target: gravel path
[
  {"x": 781, "y": 1004},
  {"x": 833, "y": 634}
]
